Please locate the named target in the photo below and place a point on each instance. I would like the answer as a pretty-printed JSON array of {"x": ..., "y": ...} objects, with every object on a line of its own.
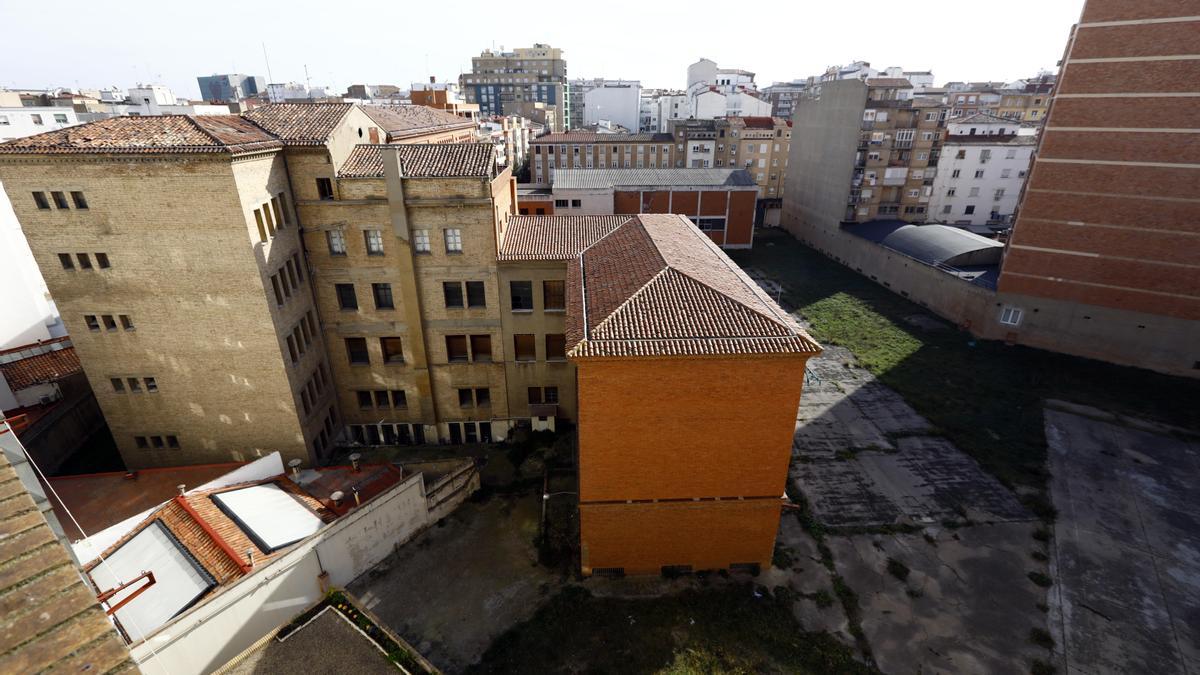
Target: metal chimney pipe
[
  {"x": 354, "y": 459},
  {"x": 182, "y": 489},
  {"x": 357, "y": 500},
  {"x": 250, "y": 556},
  {"x": 295, "y": 465},
  {"x": 337, "y": 497}
]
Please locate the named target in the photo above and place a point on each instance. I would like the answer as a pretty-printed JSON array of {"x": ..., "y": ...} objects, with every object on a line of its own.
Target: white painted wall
[
  {"x": 28, "y": 314},
  {"x": 592, "y": 201},
  {"x": 953, "y": 194},
  {"x": 615, "y": 100},
  {"x": 22, "y": 122}
]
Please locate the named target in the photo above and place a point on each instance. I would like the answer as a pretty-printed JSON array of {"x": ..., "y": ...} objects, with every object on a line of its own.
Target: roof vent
[
  {"x": 295, "y": 466},
  {"x": 354, "y": 459},
  {"x": 337, "y": 497},
  {"x": 357, "y": 500},
  {"x": 250, "y": 556},
  {"x": 182, "y": 489}
]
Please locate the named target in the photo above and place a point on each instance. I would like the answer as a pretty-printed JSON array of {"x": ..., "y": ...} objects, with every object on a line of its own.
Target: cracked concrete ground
[
  {"x": 1127, "y": 544},
  {"x": 865, "y": 458},
  {"x": 966, "y": 605}
]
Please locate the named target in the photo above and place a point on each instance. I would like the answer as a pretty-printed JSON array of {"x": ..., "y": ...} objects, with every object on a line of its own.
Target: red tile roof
[
  {"x": 554, "y": 237},
  {"x": 47, "y": 367},
  {"x": 160, "y": 134},
  {"x": 658, "y": 286},
  {"x": 443, "y": 160},
  {"x": 300, "y": 123},
  {"x": 401, "y": 121}
]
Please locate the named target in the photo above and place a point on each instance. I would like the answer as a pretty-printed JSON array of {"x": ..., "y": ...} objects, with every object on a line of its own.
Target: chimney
[
  {"x": 295, "y": 465},
  {"x": 354, "y": 459},
  {"x": 357, "y": 500},
  {"x": 182, "y": 489},
  {"x": 337, "y": 497}
]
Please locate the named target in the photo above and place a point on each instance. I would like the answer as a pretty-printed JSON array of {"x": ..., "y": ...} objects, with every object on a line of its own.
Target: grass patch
[
  {"x": 897, "y": 569},
  {"x": 725, "y": 630},
  {"x": 984, "y": 396},
  {"x": 823, "y": 599}
]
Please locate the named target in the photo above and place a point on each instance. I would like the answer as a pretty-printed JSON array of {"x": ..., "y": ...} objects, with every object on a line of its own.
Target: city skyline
[{"x": 162, "y": 57}]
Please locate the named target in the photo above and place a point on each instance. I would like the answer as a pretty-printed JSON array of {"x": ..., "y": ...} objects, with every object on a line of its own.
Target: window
[
  {"x": 36, "y": 119},
  {"x": 962, "y": 154},
  {"x": 151, "y": 384},
  {"x": 277, "y": 208},
  {"x": 109, "y": 322},
  {"x": 381, "y": 398},
  {"x": 466, "y": 398},
  {"x": 364, "y": 399},
  {"x": 481, "y": 348},
  {"x": 453, "y": 293},
  {"x": 979, "y": 174},
  {"x": 81, "y": 203},
  {"x": 550, "y": 394},
  {"x": 524, "y": 346},
  {"x": 535, "y": 395},
  {"x": 456, "y": 349},
  {"x": 60, "y": 119},
  {"x": 324, "y": 188},
  {"x": 337, "y": 242},
  {"x": 576, "y": 203},
  {"x": 399, "y": 400},
  {"x": 998, "y": 194},
  {"x": 476, "y": 297},
  {"x": 558, "y": 203},
  {"x": 374, "y": 239},
  {"x": 117, "y": 385},
  {"x": 421, "y": 241},
  {"x": 974, "y": 192},
  {"x": 356, "y": 351},
  {"x": 85, "y": 263},
  {"x": 39, "y": 198},
  {"x": 556, "y": 347},
  {"x": 969, "y": 210},
  {"x": 453, "y": 237},
  {"x": 134, "y": 385},
  {"x": 1011, "y": 316},
  {"x": 102, "y": 261},
  {"x": 955, "y": 173},
  {"x": 60, "y": 200},
  {"x": 950, "y": 192},
  {"x": 393, "y": 349},
  {"x": 383, "y": 296},
  {"x": 346, "y": 296},
  {"x": 141, "y": 443},
  {"x": 64, "y": 259},
  {"x": 947, "y": 208},
  {"x": 554, "y": 297},
  {"x": 522, "y": 295},
  {"x": 172, "y": 441},
  {"x": 483, "y": 397},
  {"x": 92, "y": 323}
]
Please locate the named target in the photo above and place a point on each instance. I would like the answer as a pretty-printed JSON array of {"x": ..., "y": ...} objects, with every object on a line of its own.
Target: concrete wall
[
  {"x": 55, "y": 436},
  {"x": 29, "y": 314},
  {"x": 224, "y": 625}
]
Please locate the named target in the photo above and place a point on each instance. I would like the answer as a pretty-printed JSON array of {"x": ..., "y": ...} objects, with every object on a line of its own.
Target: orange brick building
[{"x": 678, "y": 468}]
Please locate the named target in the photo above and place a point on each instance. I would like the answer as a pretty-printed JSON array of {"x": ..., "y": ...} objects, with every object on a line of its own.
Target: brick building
[
  {"x": 721, "y": 202},
  {"x": 590, "y": 150},
  {"x": 678, "y": 469}
]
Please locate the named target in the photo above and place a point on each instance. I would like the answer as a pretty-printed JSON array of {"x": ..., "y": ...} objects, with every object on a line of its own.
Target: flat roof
[{"x": 570, "y": 179}]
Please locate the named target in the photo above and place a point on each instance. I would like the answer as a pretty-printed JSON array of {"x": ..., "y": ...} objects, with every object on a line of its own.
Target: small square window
[
  {"x": 481, "y": 348},
  {"x": 382, "y": 398},
  {"x": 420, "y": 241},
  {"x": 383, "y": 296},
  {"x": 118, "y": 384},
  {"x": 556, "y": 347},
  {"x": 356, "y": 351},
  {"x": 347, "y": 299},
  {"x": 60, "y": 118},
  {"x": 337, "y": 242},
  {"x": 393, "y": 349},
  {"x": 535, "y": 394},
  {"x": 102, "y": 261},
  {"x": 550, "y": 394},
  {"x": 151, "y": 384},
  {"x": 456, "y": 349},
  {"x": 92, "y": 323},
  {"x": 173, "y": 441},
  {"x": 374, "y": 239},
  {"x": 364, "y": 399},
  {"x": 109, "y": 322},
  {"x": 60, "y": 200},
  {"x": 465, "y": 398},
  {"x": 134, "y": 385},
  {"x": 324, "y": 188},
  {"x": 453, "y": 240},
  {"x": 483, "y": 397},
  {"x": 157, "y": 442},
  {"x": 523, "y": 344},
  {"x": 141, "y": 442},
  {"x": 522, "y": 295},
  {"x": 452, "y": 291},
  {"x": 126, "y": 322},
  {"x": 64, "y": 259},
  {"x": 80, "y": 200},
  {"x": 476, "y": 295},
  {"x": 85, "y": 262},
  {"x": 399, "y": 400},
  {"x": 554, "y": 296}
]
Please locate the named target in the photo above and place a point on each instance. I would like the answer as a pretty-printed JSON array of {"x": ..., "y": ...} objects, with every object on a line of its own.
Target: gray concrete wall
[{"x": 825, "y": 133}]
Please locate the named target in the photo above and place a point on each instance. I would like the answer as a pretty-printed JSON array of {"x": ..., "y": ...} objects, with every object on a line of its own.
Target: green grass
[
  {"x": 984, "y": 396},
  {"x": 712, "y": 630}
]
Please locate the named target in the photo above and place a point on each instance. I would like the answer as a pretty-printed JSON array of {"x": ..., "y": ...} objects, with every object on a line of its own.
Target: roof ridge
[{"x": 742, "y": 277}]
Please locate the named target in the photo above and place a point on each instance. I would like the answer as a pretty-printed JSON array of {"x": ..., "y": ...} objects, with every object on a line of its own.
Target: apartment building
[
  {"x": 871, "y": 151},
  {"x": 590, "y": 150},
  {"x": 659, "y": 107},
  {"x": 783, "y": 96},
  {"x": 442, "y": 96},
  {"x": 720, "y": 202},
  {"x": 500, "y": 81},
  {"x": 230, "y": 88},
  {"x": 983, "y": 166},
  {"x": 678, "y": 469},
  {"x": 1102, "y": 257}
]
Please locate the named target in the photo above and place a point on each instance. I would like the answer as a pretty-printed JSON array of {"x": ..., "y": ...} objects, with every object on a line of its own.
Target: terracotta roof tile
[
  {"x": 164, "y": 134},
  {"x": 554, "y": 237},
  {"x": 400, "y": 121},
  {"x": 48, "y": 367},
  {"x": 300, "y": 123},
  {"x": 423, "y": 160},
  {"x": 657, "y": 286}
]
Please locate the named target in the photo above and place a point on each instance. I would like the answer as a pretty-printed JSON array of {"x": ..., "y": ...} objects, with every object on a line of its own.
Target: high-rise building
[
  {"x": 1102, "y": 257},
  {"x": 501, "y": 81},
  {"x": 615, "y": 101},
  {"x": 230, "y": 88}
]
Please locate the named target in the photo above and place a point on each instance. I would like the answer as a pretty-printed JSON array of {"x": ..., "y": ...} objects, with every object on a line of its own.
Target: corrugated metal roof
[
  {"x": 932, "y": 244},
  {"x": 571, "y": 179}
]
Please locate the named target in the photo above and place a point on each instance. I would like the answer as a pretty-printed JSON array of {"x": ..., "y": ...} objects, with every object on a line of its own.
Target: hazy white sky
[{"x": 361, "y": 41}]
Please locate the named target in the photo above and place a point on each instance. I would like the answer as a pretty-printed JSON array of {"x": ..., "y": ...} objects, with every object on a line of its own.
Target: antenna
[
  {"x": 307, "y": 83},
  {"x": 270, "y": 78}
]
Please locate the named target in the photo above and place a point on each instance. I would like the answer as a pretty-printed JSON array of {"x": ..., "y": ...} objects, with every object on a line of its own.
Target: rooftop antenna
[
  {"x": 270, "y": 78},
  {"x": 307, "y": 81}
]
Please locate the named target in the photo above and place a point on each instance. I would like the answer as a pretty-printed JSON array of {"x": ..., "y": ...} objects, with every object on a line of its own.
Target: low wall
[{"x": 226, "y": 624}]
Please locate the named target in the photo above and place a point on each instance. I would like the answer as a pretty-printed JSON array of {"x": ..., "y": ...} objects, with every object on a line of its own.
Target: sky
[{"x": 371, "y": 42}]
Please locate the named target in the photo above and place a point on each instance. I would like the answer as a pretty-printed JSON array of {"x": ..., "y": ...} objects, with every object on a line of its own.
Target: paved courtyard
[{"x": 1127, "y": 544}]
